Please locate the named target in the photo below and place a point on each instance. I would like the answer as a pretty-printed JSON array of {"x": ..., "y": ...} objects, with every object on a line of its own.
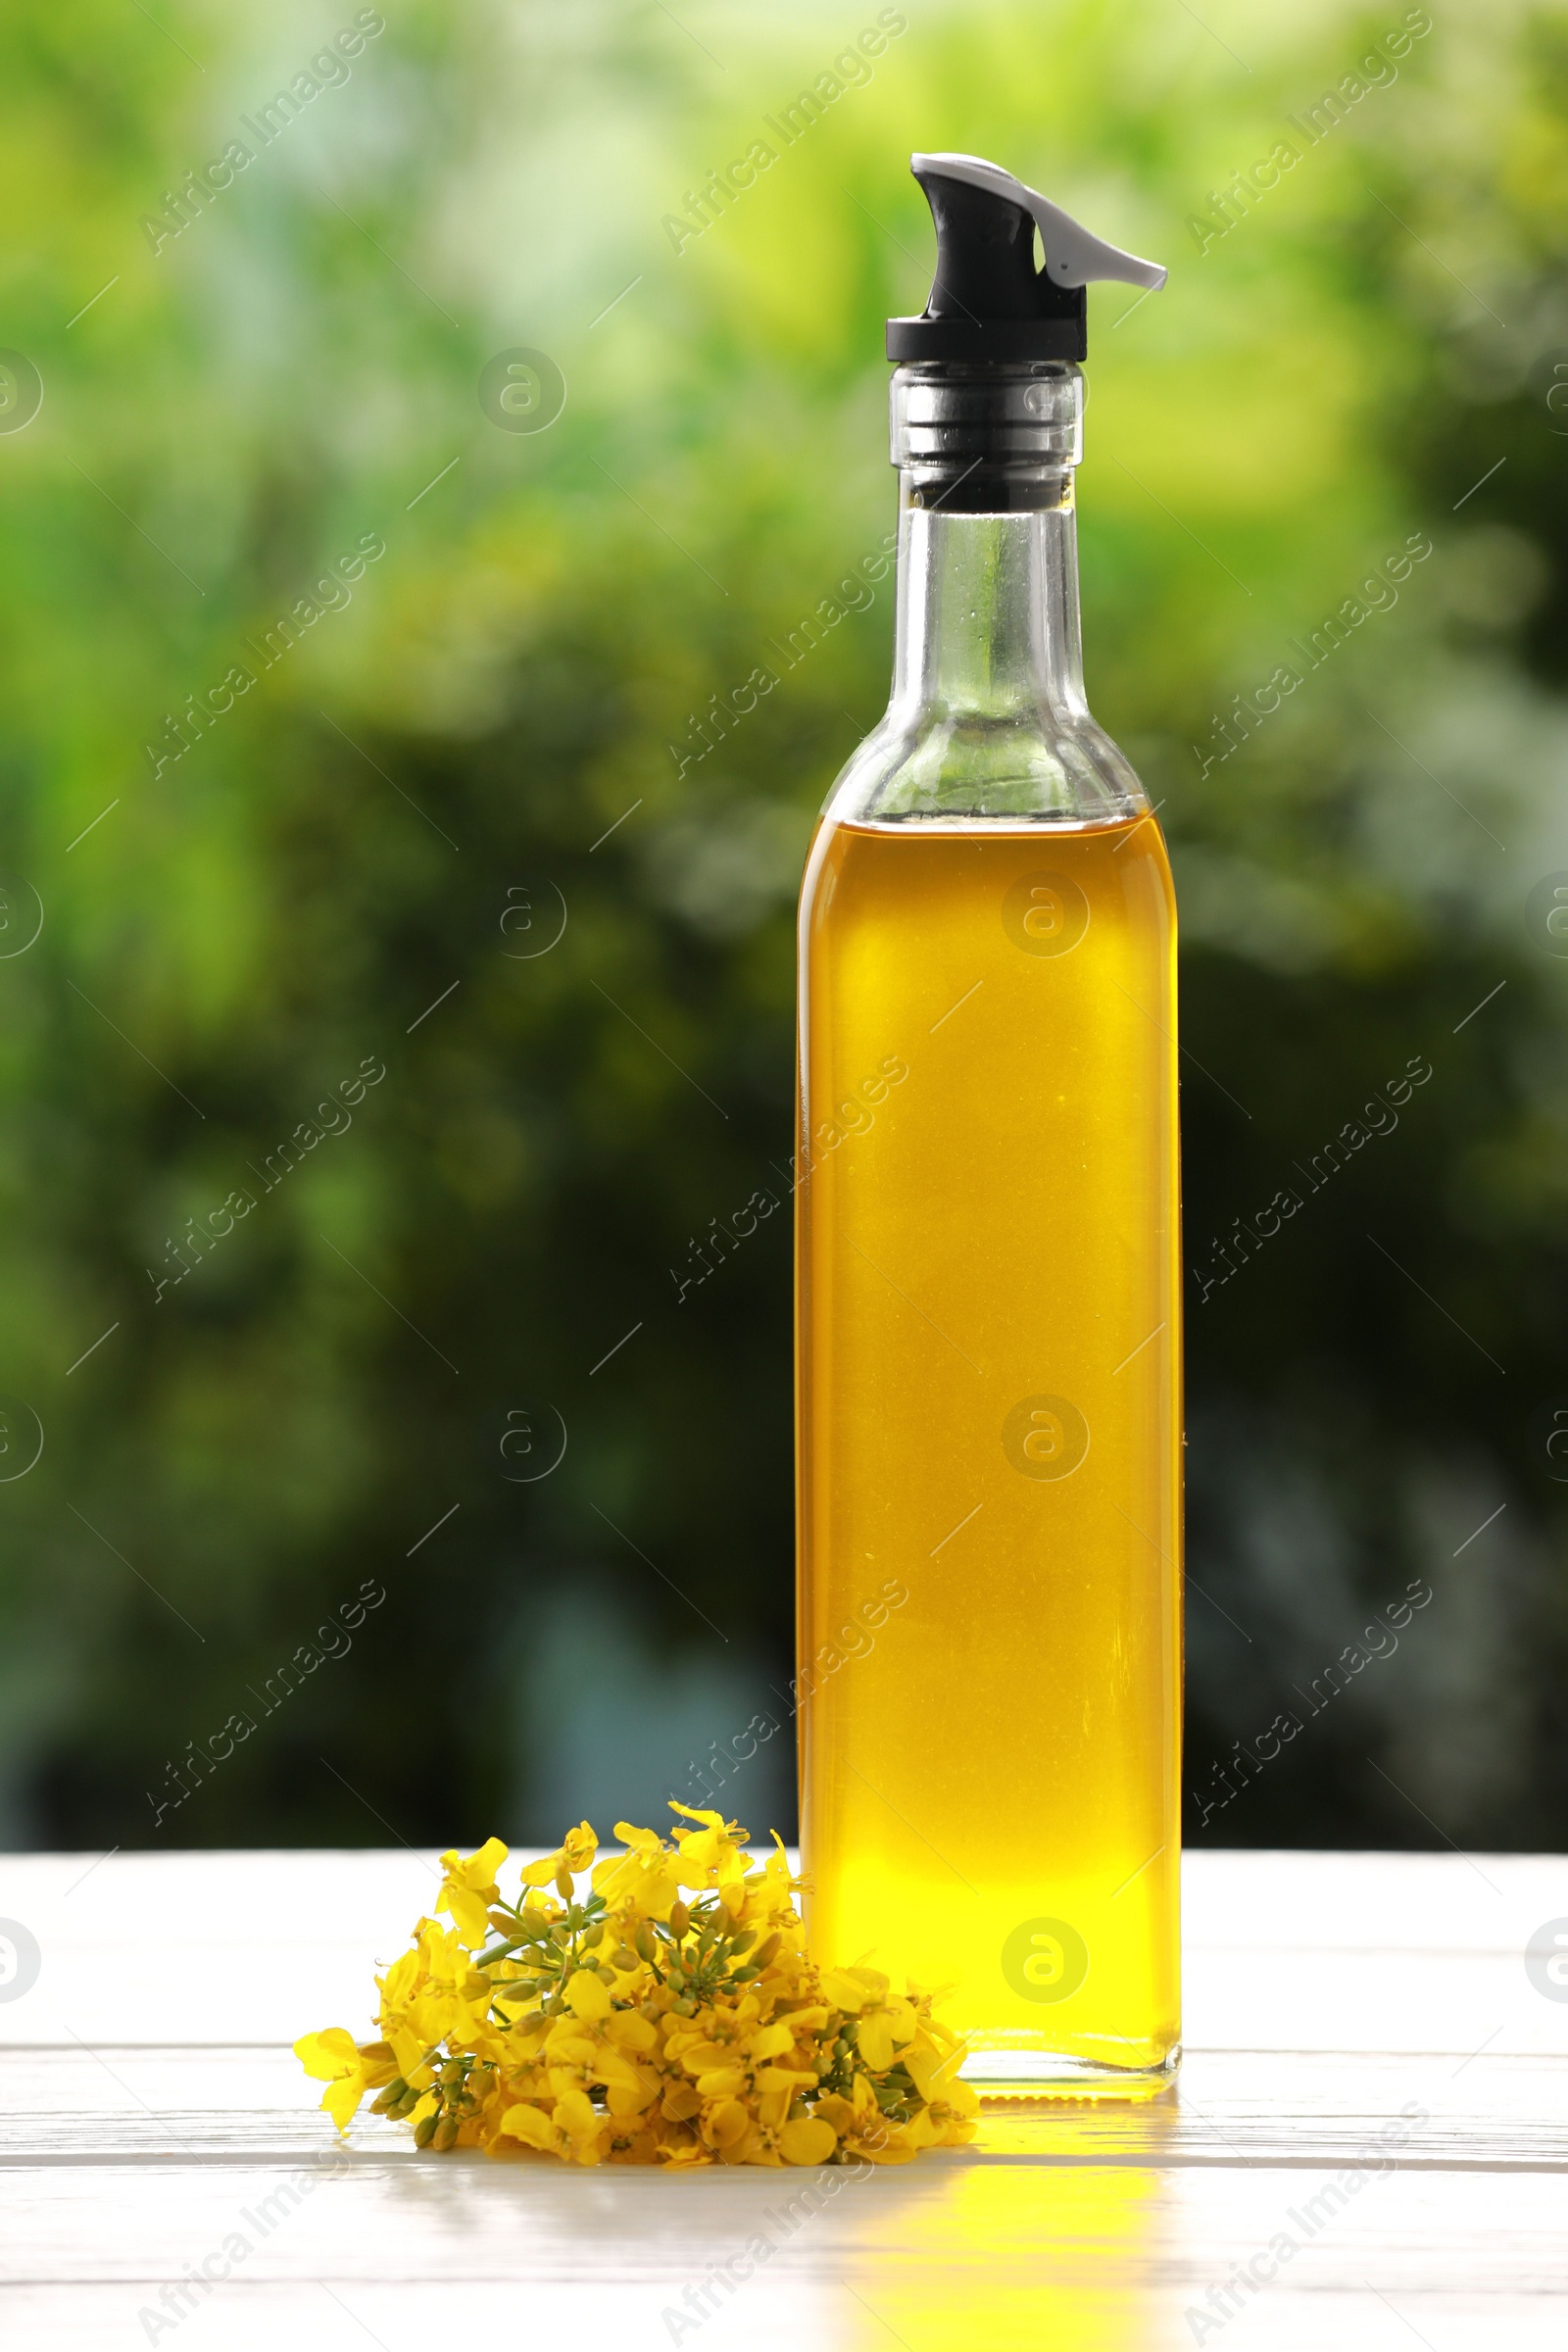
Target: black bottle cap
[{"x": 988, "y": 301}]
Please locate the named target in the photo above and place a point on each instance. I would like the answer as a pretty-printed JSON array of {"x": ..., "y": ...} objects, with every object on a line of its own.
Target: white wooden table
[{"x": 153, "y": 2120}]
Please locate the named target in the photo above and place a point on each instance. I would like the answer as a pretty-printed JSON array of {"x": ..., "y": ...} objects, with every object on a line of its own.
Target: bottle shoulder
[{"x": 1030, "y": 765}]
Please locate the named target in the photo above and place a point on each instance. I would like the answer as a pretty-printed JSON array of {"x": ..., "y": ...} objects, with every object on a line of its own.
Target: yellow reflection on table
[{"x": 1034, "y": 2244}]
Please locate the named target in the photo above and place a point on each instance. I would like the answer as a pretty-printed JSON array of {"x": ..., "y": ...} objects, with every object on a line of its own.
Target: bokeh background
[{"x": 459, "y": 833}]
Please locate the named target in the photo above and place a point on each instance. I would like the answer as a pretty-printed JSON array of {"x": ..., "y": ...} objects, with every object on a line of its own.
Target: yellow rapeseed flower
[
  {"x": 671, "y": 2016},
  {"x": 348, "y": 2068},
  {"x": 469, "y": 1888}
]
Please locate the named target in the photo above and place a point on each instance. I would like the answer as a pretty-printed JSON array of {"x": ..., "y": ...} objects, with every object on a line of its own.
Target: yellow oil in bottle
[{"x": 989, "y": 1432}]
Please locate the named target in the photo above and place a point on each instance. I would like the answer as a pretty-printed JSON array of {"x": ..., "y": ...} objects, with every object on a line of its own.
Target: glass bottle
[{"x": 987, "y": 1301}]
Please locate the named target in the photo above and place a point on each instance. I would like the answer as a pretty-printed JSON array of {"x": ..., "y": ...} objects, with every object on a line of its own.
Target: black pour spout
[{"x": 988, "y": 300}]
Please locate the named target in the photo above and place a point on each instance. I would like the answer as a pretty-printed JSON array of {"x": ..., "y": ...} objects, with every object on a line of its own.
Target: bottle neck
[
  {"x": 988, "y": 620},
  {"x": 987, "y": 722}
]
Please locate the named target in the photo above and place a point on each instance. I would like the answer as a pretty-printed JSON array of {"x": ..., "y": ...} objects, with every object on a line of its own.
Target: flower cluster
[{"x": 668, "y": 2016}]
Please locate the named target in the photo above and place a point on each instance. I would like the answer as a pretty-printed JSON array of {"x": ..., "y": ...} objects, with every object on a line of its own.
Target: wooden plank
[
  {"x": 1285, "y": 2108},
  {"x": 186, "y": 1948},
  {"x": 1304, "y": 1951},
  {"x": 939, "y": 2256}
]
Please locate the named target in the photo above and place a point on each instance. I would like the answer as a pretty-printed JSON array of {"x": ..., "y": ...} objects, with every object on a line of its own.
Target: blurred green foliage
[{"x": 351, "y": 862}]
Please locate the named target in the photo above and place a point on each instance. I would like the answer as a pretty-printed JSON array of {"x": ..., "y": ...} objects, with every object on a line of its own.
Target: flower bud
[
  {"x": 424, "y": 2130},
  {"x": 680, "y": 1919}
]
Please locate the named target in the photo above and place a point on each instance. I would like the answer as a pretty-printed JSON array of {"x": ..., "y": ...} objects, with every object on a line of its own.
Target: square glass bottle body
[{"x": 990, "y": 1441}]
